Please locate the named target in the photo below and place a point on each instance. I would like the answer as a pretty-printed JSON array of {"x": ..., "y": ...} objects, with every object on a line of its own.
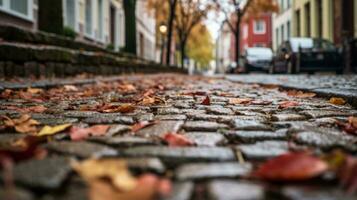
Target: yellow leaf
[
  {"x": 113, "y": 169},
  {"x": 49, "y": 130},
  {"x": 337, "y": 101}
]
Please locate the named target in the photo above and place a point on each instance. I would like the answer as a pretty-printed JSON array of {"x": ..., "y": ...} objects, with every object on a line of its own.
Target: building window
[
  {"x": 282, "y": 33},
  {"x": 277, "y": 36},
  {"x": 288, "y": 31},
  {"x": 19, "y": 8},
  {"x": 100, "y": 20},
  {"x": 88, "y": 18},
  {"x": 259, "y": 27},
  {"x": 70, "y": 13}
]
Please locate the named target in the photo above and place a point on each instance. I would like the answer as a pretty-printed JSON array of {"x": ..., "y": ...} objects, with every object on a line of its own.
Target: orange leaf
[
  {"x": 240, "y": 101},
  {"x": 291, "y": 167},
  {"x": 206, "y": 101},
  {"x": 177, "y": 140},
  {"x": 24, "y": 124},
  {"x": 288, "y": 104},
  {"x": 337, "y": 101},
  {"x": 143, "y": 124},
  {"x": 301, "y": 94}
]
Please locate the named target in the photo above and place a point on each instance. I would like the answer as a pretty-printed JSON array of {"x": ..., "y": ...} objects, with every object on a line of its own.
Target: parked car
[
  {"x": 255, "y": 59},
  {"x": 307, "y": 55}
]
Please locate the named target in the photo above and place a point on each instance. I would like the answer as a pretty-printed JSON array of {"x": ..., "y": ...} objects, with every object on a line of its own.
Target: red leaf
[
  {"x": 177, "y": 140},
  {"x": 288, "y": 104},
  {"x": 349, "y": 127},
  {"x": 206, "y": 101},
  {"x": 77, "y": 133},
  {"x": 291, "y": 167},
  {"x": 348, "y": 174},
  {"x": 138, "y": 126}
]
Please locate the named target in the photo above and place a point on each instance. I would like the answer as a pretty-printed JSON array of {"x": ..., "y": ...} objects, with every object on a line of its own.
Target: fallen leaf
[
  {"x": 24, "y": 148},
  {"x": 206, "y": 101},
  {"x": 124, "y": 108},
  {"x": 51, "y": 130},
  {"x": 36, "y": 109},
  {"x": 347, "y": 174},
  {"x": 143, "y": 124},
  {"x": 240, "y": 101},
  {"x": 24, "y": 124},
  {"x": 148, "y": 187},
  {"x": 78, "y": 133},
  {"x": 177, "y": 140},
  {"x": 70, "y": 88},
  {"x": 349, "y": 127},
  {"x": 337, "y": 101},
  {"x": 291, "y": 167},
  {"x": 113, "y": 169},
  {"x": 127, "y": 87},
  {"x": 288, "y": 104},
  {"x": 300, "y": 94},
  {"x": 261, "y": 102},
  {"x": 34, "y": 90}
]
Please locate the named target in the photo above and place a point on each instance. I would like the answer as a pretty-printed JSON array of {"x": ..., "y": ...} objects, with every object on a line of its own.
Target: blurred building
[
  {"x": 256, "y": 32},
  {"x": 146, "y": 30},
  {"x": 282, "y": 28},
  {"x": 100, "y": 21},
  {"x": 223, "y": 45},
  {"x": 97, "y": 21},
  {"x": 329, "y": 19},
  {"x": 19, "y": 13}
]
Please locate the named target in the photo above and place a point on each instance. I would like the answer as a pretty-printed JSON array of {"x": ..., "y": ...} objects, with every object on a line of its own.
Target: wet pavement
[
  {"x": 240, "y": 127},
  {"x": 344, "y": 86}
]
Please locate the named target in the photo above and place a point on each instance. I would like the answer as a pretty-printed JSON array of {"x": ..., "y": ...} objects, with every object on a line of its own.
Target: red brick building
[{"x": 255, "y": 32}]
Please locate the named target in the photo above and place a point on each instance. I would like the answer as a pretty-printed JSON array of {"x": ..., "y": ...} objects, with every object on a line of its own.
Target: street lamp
[{"x": 163, "y": 31}]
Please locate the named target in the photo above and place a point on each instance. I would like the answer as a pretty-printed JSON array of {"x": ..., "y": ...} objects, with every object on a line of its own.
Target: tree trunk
[
  {"x": 237, "y": 36},
  {"x": 130, "y": 26},
  {"x": 183, "y": 54},
  {"x": 170, "y": 30}
]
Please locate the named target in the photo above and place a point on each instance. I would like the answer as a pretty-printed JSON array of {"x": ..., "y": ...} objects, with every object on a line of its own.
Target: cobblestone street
[{"x": 207, "y": 136}]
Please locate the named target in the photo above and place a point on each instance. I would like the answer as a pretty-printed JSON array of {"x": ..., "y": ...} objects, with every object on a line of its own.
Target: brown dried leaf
[
  {"x": 337, "y": 101},
  {"x": 300, "y": 94}
]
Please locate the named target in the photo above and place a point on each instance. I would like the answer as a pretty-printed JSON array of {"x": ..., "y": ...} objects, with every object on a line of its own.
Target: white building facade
[
  {"x": 223, "y": 45},
  {"x": 100, "y": 21},
  {"x": 146, "y": 30},
  {"x": 282, "y": 28}
]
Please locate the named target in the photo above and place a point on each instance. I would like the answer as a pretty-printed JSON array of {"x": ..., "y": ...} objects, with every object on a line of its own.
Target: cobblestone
[{"x": 229, "y": 140}]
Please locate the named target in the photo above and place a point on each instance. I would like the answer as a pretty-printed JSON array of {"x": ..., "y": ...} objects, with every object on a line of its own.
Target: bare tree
[
  {"x": 189, "y": 14},
  {"x": 171, "y": 19},
  {"x": 240, "y": 8}
]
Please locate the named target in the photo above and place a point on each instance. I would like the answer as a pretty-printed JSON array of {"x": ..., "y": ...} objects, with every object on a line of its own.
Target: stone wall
[{"x": 24, "y": 53}]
